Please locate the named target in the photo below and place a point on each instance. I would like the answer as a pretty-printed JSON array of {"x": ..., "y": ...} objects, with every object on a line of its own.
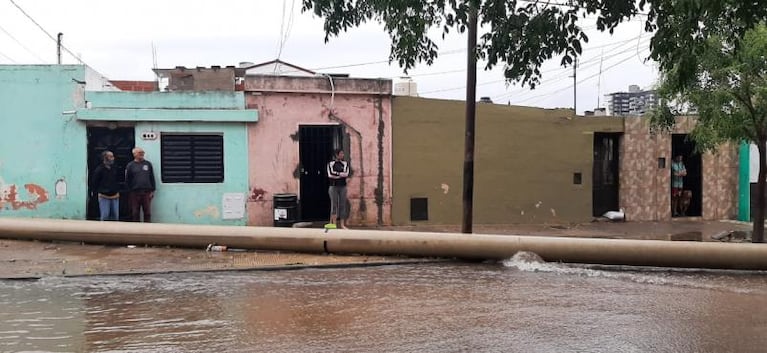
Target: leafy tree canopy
[
  {"x": 726, "y": 85},
  {"x": 522, "y": 34},
  {"x": 728, "y": 90}
]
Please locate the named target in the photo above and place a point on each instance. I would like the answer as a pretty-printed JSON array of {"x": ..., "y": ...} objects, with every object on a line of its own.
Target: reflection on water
[{"x": 521, "y": 305}]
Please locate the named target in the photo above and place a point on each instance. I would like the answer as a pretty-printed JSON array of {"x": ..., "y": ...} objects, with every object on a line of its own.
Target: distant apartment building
[{"x": 635, "y": 102}]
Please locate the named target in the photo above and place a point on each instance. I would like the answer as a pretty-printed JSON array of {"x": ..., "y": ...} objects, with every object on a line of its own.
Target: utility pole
[
  {"x": 471, "y": 112},
  {"x": 58, "y": 48},
  {"x": 599, "y": 82},
  {"x": 575, "y": 87}
]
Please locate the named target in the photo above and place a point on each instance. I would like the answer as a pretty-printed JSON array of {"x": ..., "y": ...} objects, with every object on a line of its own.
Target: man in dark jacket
[
  {"x": 139, "y": 175},
  {"x": 104, "y": 184}
]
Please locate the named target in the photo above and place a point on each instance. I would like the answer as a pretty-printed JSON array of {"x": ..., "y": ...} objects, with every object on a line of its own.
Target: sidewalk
[{"x": 32, "y": 259}]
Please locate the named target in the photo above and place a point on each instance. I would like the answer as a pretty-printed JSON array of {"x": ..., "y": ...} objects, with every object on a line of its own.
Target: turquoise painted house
[{"x": 55, "y": 121}]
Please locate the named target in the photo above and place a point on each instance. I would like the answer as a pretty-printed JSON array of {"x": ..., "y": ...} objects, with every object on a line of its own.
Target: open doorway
[
  {"x": 682, "y": 145},
  {"x": 316, "y": 145},
  {"x": 120, "y": 141},
  {"x": 605, "y": 183}
]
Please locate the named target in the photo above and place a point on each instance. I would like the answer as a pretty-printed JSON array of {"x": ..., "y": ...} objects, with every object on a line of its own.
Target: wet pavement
[
  {"x": 31, "y": 259},
  {"x": 518, "y": 305}
]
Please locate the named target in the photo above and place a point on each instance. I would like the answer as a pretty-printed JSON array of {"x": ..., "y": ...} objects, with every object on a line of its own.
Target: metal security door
[
  {"x": 120, "y": 141},
  {"x": 316, "y": 144},
  {"x": 605, "y": 174}
]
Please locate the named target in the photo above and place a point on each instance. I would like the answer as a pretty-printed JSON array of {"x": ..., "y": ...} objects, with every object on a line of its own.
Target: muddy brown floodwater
[{"x": 520, "y": 305}]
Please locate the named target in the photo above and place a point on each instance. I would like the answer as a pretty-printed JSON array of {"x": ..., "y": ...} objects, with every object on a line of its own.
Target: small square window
[
  {"x": 419, "y": 209},
  {"x": 577, "y": 178}
]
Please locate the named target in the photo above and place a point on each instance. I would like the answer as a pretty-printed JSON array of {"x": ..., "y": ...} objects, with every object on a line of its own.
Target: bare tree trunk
[{"x": 758, "y": 231}]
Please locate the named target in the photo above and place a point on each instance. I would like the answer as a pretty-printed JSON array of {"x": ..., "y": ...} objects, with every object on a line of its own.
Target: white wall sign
[{"x": 233, "y": 205}]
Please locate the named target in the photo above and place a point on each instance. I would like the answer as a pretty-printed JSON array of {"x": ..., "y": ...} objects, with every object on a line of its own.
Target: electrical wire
[
  {"x": 282, "y": 31},
  {"x": 589, "y": 63},
  {"x": 79, "y": 60},
  {"x": 568, "y": 5},
  {"x": 21, "y": 44},
  {"x": 8, "y": 58},
  {"x": 285, "y": 28},
  {"x": 526, "y": 97},
  {"x": 534, "y": 98},
  {"x": 583, "y": 64}
]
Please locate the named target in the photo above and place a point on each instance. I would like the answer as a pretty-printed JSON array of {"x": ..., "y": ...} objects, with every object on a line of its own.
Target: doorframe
[
  {"x": 693, "y": 162},
  {"x": 616, "y": 137},
  {"x": 338, "y": 140},
  {"x": 91, "y": 164}
]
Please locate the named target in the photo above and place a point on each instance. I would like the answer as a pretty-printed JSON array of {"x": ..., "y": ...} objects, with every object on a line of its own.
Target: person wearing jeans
[
  {"x": 104, "y": 184},
  {"x": 139, "y": 175},
  {"x": 338, "y": 171}
]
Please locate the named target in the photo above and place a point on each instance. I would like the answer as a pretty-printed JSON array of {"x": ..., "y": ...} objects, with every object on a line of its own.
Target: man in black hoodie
[
  {"x": 104, "y": 184},
  {"x": 139, "y": 175}
]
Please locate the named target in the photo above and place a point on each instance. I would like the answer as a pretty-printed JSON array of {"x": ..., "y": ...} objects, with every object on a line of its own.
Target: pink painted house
[{"x": 302, "y": 119}]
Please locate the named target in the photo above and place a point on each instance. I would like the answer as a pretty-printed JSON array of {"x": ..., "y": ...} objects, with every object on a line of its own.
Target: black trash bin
[{"x": 285, "y": 210}]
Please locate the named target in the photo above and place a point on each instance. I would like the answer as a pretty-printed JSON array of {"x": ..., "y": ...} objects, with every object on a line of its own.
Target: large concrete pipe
[{"x": 468, "y": 246}]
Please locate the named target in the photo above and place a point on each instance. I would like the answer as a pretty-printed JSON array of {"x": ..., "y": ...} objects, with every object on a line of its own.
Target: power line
[
  {"x": 44, "y": 31},
  {"x": 8, "y": 58},
  {"x": 79, "y": 60},
  {"x": 282, "y": 31},
  {"x": 21, "y": 44},
  {"x": 581, "y": 81},
  {"x": 449, "y": 52},
  {"x": 569, "y": 5},
  {"x": 526, "y": 96},
  {"x": 583, "y": 64},
  {"x": 285, "y": 27},
  {"x": 587, "y": 64},
  {"x": 590, "y": 63}
]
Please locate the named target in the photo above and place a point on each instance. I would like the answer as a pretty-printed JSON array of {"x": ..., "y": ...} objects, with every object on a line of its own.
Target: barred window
[{"x": 192, "y": 158}]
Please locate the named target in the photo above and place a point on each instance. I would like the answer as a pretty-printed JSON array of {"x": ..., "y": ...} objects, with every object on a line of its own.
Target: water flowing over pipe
[{"x": 744, "y": 256}]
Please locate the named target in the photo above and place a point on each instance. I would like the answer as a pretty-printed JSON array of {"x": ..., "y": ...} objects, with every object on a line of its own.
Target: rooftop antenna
[
  {"x": 599, "y": 81},
  {"x": 154, "y": 56}
]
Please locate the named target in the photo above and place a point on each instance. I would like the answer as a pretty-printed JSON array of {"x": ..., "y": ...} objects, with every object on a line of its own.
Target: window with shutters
[{"x": 192, "y": 158}]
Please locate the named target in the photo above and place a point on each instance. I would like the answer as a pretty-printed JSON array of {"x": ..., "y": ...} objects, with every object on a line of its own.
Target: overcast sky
[{"x": 116, "y": 38}]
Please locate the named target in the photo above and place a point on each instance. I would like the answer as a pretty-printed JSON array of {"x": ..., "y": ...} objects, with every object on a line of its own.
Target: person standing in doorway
[
  {"x": 139, "y": 175},
  {"x": 104, "y": 185},
  {"x": 338, "y": 171},
  {"x": 678, "y": 172}
]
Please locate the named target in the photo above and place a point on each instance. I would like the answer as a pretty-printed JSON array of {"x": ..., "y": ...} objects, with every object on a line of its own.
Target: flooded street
[{"x": 515, "y": 306}]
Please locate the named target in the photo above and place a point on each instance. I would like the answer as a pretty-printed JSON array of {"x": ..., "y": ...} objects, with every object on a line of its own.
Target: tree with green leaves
[
  {"x": 521, "y": 35},
  {"x": 729, "y": 92}
]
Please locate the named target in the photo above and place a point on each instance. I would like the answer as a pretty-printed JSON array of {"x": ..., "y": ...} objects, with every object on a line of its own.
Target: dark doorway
[
  {"x": 120, "y": 141},
  {"x": 316, "y": 144},
  {"x": 605, "y": 176},
  {"x": 682, "y": 145}
]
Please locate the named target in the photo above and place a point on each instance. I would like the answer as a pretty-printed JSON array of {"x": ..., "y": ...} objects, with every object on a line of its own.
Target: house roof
[
  {"x": 136, "y": 86},
  {"x": 278, "y": 62},
  {"x": 167, "y": 72}
]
